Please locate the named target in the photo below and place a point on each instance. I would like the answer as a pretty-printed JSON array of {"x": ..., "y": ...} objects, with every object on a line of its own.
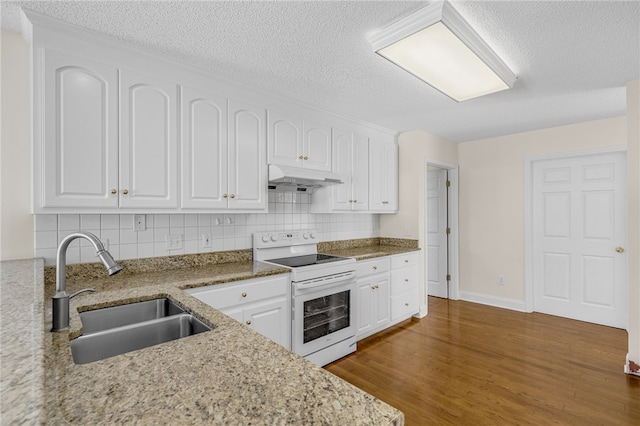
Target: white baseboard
[{"x": 498, "y": 302}]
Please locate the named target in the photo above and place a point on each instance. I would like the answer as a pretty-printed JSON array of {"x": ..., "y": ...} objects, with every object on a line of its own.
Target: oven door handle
[{"x": 326, "y": 280}]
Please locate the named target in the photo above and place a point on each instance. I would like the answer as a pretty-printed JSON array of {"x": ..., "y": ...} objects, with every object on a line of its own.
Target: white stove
[{"x": 323, "y": 289}]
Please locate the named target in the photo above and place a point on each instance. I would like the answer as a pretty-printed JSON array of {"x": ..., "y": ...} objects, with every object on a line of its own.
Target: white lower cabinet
[
  {"x": 405, "y": 292},
  {"x": 261, "y": 304},
  {"x": 388, "y": 292},
  {"x": 373, "y": 304}
]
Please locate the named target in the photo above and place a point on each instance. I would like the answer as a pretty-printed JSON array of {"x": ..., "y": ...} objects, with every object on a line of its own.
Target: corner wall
[
  {"x": 633, "y": 187},
  {"x": 492, "y": 202},
  {"x": 16, "y": 220},
  {"x": 414, "y": 149}
]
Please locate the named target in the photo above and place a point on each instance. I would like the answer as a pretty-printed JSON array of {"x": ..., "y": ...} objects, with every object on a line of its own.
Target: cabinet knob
[
  {"x": 406, "y": 261},
  {"x": 125, "y": 191},
  {"x": 224, "y": 195},
  {"x": 301, "y": 157},
  {"x": 406, "y": 280},
  {"x": 244, "y": 294},
  {"x": 355, "y": 201},
  {"x": 114, "y": 191},
  {"x": 620, "y": 249},
  {"x": 306, "y": 158},
  {"x": 233, "y": 195},
  {"x": 375, "y": 267},
  {"x": 406, "y": 304},
  {"x": 248, "y": 322}
]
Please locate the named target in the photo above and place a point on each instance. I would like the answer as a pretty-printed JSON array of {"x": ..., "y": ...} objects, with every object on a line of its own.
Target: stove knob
[
  {"x": 265, "y": 238},
  {"x": 312, "y": 235},
  {"x": 274, "y": 238},
  {"x": 305, "y": 235}
]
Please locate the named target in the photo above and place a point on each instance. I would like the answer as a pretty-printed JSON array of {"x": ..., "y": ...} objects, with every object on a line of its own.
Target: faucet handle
[{"x": 90, "y": 290}]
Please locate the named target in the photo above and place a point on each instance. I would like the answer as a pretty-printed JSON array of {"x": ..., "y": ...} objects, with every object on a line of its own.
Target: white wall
[
  {"x": 16, "y": 221},
  {"x": 633, "y": 185},
  {"x": 492, "y": 200}
]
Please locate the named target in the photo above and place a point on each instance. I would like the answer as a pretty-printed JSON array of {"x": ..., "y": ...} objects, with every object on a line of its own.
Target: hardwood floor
[{"x": 470, "y": 364}]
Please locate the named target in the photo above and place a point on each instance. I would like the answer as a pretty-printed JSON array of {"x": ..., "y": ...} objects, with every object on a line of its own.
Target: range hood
[{"x": 295, "y": 179}]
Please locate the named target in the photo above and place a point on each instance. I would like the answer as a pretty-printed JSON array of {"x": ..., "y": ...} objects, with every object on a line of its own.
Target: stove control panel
[{"x": 284, "y": 238}]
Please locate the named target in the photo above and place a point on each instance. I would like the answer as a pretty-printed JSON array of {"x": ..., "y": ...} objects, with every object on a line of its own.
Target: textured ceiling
[{"x": 573, "y": 58}]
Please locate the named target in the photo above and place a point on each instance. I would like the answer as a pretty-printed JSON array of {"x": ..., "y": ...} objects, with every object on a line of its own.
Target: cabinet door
[
  {"x": 365, "y": 304},
  {"x": 247, "y": 149},
  {"x": 360, "y": 172},
  {"x": 204, "y": 150},
  {"x": 285, "y": 140},
  {"x": 317, "y": 146},
  {"x": 381, "y": 302},
  {"x": 148, "y": 142},
  {"x": 78, "y": 145},
  {"x": 383, "y": 176},
  {"x": 342, "y": 165},
  {"x": 270, "y": 319}
]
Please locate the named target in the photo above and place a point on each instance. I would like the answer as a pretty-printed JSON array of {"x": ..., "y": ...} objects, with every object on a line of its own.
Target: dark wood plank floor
[{"x": 470, "y": 364}]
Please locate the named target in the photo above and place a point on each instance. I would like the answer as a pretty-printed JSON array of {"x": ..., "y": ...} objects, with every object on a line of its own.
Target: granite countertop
[{"x": 228, "y": 375}]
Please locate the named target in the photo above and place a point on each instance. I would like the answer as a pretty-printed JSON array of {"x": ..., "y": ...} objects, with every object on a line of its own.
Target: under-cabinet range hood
[{"x": 294, "y": 179}]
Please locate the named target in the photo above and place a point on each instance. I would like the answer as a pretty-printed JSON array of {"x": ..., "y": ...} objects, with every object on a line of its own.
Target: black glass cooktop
[{"x": 306, "y": 260}]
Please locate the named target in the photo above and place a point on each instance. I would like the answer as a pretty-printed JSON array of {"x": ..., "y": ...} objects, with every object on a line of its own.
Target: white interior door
[
  {"x": 579, "y": 234},
  {"x": 436, "y": 233}
]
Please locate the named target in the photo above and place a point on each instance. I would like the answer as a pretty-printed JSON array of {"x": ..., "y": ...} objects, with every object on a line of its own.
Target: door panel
[
  {"x": 579, "y": 218},
  {"x": 80, "y": 149},
  {"x": 149, "y": 142},
  {"x": 204, "y": 150},
  {"x": 436, "y": 233}
]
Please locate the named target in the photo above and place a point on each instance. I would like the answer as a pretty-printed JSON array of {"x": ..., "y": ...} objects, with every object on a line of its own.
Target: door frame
[
  {"x": 528, "y": 212},
  {"x": 452, "y": 217}
]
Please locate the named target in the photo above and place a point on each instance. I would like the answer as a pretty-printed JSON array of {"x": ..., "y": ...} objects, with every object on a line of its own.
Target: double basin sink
[{"x": 113, "y": 331}]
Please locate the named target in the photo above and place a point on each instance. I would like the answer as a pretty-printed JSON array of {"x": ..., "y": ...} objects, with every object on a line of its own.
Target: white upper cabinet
[
  {"x": 351, "y": 162},
  {"x": 148, "y": 141},
  {"x": 76, "y": 134},
  {"x": 204, "y": 150},
  {"x": 295, "y": 143},
  {"x": 247, "y": 157},
  {"x": 285, "y": 140},
  {"x": 383, "y": 177},
  {"x": 316, "y": 146}
]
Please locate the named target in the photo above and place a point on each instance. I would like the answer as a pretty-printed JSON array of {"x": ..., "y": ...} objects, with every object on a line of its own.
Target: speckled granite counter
[
  {"x": 368, "y": 248},
  {"x": 229, "y": 375}
]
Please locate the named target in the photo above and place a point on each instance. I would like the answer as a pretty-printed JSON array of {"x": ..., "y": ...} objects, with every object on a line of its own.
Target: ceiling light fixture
[{"x": 439, "y": 47}]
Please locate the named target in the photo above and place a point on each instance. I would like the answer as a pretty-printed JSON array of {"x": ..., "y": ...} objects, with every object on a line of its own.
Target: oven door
[{"x": 322, "y": 316}]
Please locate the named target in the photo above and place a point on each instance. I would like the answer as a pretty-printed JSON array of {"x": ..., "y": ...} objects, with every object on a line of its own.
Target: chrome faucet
[{"x": 61, "y": 298}]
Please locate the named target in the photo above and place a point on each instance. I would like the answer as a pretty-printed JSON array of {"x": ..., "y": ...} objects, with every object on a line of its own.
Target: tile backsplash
[{"x": 287, "y": 211}]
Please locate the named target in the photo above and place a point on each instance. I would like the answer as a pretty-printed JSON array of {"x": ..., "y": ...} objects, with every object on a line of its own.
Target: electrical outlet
[
  {"x": 407, "y": 230},
  {"x": 174, "y": 242},
  {"x": 139, "y": 222},
  {"x": 206, "y": 240},
  {"x": 500, "y": 279}
]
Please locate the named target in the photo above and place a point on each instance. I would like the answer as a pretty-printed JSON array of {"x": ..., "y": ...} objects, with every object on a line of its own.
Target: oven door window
[{"x": 325, "y": 315}]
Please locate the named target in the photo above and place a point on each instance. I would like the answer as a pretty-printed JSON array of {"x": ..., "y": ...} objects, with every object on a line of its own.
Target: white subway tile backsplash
[
  {"x": 227, "y": 231},
  {"x": 46, "y": 222},
  {"x": 68, "y": 222}
]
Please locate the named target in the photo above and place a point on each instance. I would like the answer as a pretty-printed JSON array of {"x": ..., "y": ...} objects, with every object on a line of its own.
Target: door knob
[{"x": 620, "y": 249}]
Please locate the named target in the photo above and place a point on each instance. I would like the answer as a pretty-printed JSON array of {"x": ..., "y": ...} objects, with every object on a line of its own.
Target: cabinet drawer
[
  {"x": 373, "y": 266},
  {"x": 404, "y": 279},
  {"x": 402, "y": 260},
  {"x": 241, "y": 292},
  {"x": 404, "y": 304}
]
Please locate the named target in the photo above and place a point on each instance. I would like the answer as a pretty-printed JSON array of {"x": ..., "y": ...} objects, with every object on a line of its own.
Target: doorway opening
[{"x": 441, "y": 230}]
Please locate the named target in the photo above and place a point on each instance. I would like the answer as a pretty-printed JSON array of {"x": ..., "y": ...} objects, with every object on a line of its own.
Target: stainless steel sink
[
  {"x": 169, "y": 322},
  {"x": 132, "y": 313}
]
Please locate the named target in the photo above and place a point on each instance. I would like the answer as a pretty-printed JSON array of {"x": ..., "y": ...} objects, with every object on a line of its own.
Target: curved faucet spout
[{"x": 61, "y": 298}]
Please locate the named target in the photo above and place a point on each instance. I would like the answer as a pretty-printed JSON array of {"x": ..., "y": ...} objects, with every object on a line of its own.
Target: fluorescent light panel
[{"x": 429, "y": 44}]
